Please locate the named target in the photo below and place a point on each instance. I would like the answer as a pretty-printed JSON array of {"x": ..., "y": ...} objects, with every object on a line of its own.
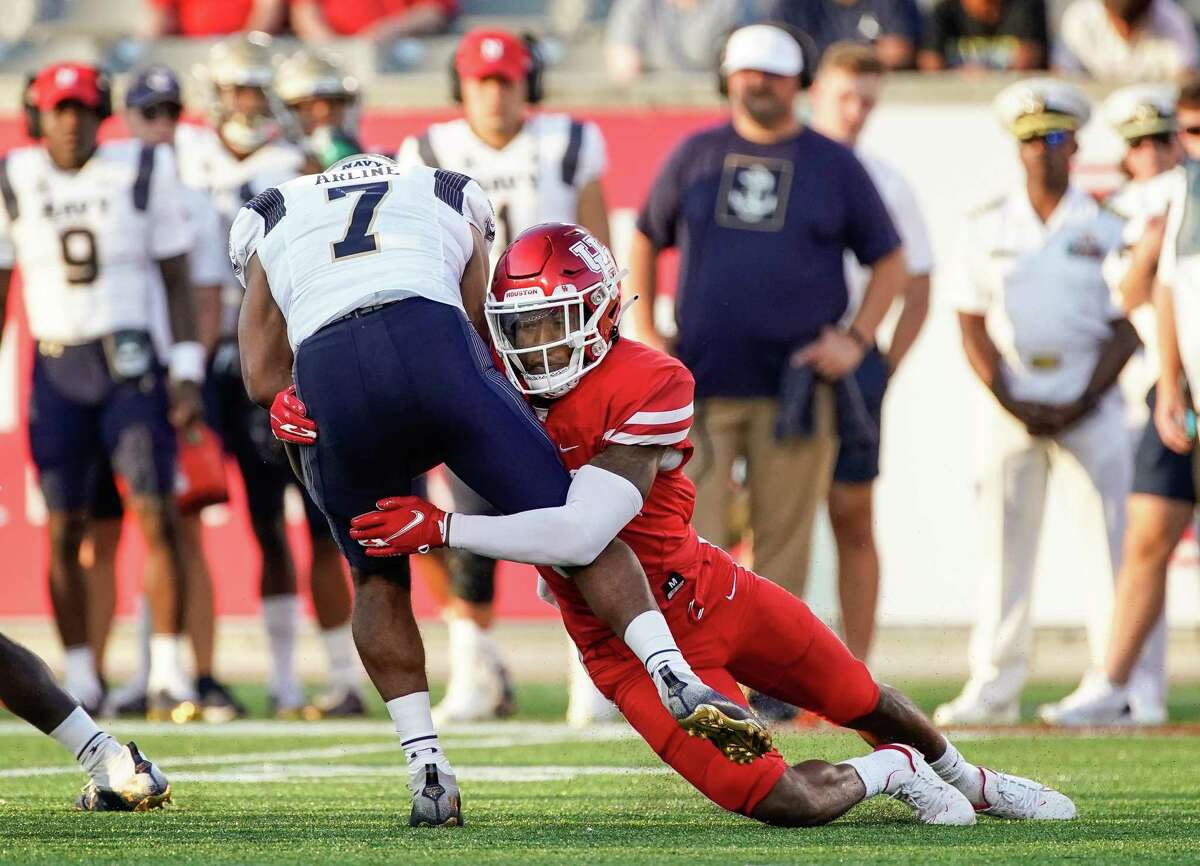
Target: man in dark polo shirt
[{"x": 763, "y": 211}]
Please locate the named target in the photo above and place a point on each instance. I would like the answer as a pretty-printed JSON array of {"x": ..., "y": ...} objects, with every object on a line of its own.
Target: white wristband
[{"x": 186, "y": 362}]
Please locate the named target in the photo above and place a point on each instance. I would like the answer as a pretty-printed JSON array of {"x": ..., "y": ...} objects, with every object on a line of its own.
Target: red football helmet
[{"x": 556, "y": 290}]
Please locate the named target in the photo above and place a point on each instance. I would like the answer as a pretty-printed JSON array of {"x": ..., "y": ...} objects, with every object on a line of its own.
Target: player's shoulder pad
[
  {"x": 466, "y": 197},
  {"x": 652, "y": 399},
  {"x": 253, "y": 222}
]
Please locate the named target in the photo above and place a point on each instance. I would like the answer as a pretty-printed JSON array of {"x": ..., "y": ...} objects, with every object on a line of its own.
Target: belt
[{"x": 365, "y": 311}]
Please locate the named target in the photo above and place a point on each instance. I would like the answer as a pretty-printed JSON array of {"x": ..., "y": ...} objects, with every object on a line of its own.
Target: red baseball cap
[
  {"x": 60, "y": 82},
  {"x": 487, "y": 51}
]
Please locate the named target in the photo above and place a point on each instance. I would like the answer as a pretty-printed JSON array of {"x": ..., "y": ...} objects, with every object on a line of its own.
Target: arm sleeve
[
  {"x": 207, "y": 260},
  {"x": 660, "y": 213},
  {"x": 870, "y": 232},
  {"x": 971, "y": 290},
  {"x": 252, "y": 223},
  {"x": 593, "y": 158},
  {"x": 477, "y": 208},
  {"x": 910, "y": 223},
  {"x": 170, "y": 230},
  {"x": 599, "y": 504},
  {"x": 1169, "y": 256}
]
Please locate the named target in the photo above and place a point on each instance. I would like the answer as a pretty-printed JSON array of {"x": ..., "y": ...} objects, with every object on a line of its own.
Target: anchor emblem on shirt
[{"x": 756, "y": 199}]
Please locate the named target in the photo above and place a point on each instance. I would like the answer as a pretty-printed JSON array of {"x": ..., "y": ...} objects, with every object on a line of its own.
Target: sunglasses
[
  {"x": 166, "y": 109},
  {"x": 1159, "y": 138},
  {"x": 1055, "y": 138}
]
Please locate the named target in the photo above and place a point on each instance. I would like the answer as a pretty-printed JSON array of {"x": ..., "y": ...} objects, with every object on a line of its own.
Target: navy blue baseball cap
[{"x": 153, "y": 85}]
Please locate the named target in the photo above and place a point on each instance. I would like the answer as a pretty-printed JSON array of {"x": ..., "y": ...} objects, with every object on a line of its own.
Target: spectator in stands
[
  {"x": 211, "y": 17},
  {"x": 764, "y": 211},
  {"x": 1125, "y": 40},
  {"x": 892, "y": 26},
  {"x": 985, "y": 34},
  {"x": 669, "y": 35},
  {"x": 380, "y": 20}
]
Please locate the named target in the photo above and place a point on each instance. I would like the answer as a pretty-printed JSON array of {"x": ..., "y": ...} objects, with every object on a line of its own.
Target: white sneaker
[
  {"x": 475, "y": 691},
  {"x": 587, "y": 706},
  {"x": 972, "y": 708},
  {"x": 1021, "y": 799},
  {"x": 933, "y": 800},
  {"x": 1095, "y": 702}
]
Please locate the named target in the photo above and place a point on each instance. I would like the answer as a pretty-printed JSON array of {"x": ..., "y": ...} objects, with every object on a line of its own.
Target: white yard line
[
  {"x": 536, "y": 735},
  {"x": 350, "y": 728},
  {"x": 299, "y": 773}
]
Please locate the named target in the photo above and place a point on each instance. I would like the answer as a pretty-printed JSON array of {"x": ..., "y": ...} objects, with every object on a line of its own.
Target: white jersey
[
  {"x": 333, "y": 243},
  {"x": 1041, "y": 286},
  {"x": 902, "y": 206},
  {"x": 1179, "y": 268},
  {"x": 88, "y": 242},
  {"x": 1138, "y": 202},
  {"x": 535, "y": 178},
  {"x": 206, "y": 164}
]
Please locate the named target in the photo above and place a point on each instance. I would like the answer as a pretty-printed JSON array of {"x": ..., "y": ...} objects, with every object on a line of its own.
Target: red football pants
[{"x": 750, "y": 631}]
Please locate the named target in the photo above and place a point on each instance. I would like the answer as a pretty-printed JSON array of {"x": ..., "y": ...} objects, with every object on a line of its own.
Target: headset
[
  {"x": 533, "y": 80},
  {"x": 808, "y": 55},
  {"x": 33, "y": 117}
]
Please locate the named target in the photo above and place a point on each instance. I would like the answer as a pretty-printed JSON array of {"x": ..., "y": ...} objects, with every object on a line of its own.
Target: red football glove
[
  {"x": 401, "y": 525},
  {"x": 289, "y": 419}
]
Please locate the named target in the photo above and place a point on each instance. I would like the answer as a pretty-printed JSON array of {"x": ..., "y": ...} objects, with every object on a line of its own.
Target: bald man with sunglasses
[{"x": 1042, "y": 333}]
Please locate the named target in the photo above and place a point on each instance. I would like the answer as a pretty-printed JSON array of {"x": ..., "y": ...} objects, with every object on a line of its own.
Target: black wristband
[{"x": 863, "y": 342}]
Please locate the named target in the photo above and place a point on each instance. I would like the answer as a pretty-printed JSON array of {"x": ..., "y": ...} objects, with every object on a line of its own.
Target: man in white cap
[
  {"x": 764, "y": 211},
  {"x": 1163, "y": 497},
  {"x": 1041, "y": 331}
]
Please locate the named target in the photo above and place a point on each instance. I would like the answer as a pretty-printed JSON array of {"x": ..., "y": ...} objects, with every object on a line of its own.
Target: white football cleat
[
  {"x": 1019, "y": 799},
  {"x": 1096, "y": 702},
  {"x": 933, "y": 800},
  {"x": 972, "y": 708},
  {"x": 147, "y": 788}
]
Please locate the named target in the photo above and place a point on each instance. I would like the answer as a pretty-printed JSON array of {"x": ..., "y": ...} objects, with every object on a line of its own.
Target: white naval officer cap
[
  {"x": 1142, "y": 109},
  {"x": 1036, "y": 106}
]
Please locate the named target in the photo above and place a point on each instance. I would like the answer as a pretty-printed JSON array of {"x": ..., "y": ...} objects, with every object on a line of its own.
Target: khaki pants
[{"x": 786, "y": 480}]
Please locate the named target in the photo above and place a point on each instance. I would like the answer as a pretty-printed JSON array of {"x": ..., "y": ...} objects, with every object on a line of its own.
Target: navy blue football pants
[{"x": 395, "y": 392}]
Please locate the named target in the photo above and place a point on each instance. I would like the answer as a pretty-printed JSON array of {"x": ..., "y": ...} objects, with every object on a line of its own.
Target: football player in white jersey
[
  {"x": 246, "y": 155},
  {"x": 536, "y": 168},
  {"x": 97, "y": 230},
  {"x": 153, "y": 105},
  {"x": 845, "y": 90},
  {"x": 324, "y": 99},
  {"x": 363, "y": 286}
]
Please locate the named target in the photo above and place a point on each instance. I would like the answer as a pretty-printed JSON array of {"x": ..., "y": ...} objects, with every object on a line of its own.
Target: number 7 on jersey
[{"x": 359, "y": 239}]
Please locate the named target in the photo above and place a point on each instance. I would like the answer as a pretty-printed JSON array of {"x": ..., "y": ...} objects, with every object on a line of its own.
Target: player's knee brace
[{"x": 473, "y": 577}]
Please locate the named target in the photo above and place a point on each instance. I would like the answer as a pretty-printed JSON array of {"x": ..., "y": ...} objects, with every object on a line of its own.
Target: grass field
[{"x": 537, "y": 792}]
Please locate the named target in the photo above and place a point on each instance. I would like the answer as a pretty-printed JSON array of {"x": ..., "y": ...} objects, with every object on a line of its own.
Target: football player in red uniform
[{"x": 618, "y": 408}]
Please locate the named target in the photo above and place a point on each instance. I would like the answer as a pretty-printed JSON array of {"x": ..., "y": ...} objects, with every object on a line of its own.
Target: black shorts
[
  {"x": 858, "y": 462},
  {"x": 244, "y": 429},
  {"x": 78, "y": 412},
  {"x": 106, "y": 498},
  {"x": 1159, "y": 471}
]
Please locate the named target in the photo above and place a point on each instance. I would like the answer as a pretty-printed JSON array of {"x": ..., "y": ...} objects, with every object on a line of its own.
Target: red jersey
[{"x": 635, "y": 396}]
